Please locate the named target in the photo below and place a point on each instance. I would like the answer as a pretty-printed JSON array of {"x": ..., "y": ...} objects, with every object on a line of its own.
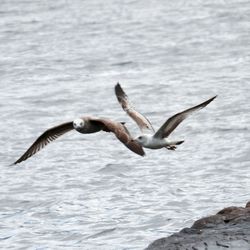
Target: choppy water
[{"x": 61, "y": 59}]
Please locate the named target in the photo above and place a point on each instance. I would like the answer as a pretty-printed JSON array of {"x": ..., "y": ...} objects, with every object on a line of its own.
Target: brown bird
[{"x": 84, "y": 125}]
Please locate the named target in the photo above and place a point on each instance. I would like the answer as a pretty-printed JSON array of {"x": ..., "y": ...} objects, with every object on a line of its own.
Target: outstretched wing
[
  {"x": 142, "y": 122},
  {"x": 121, "y": 133},
  {"x": 45, "y": 138},
  {"x": 168, "y": 127}
]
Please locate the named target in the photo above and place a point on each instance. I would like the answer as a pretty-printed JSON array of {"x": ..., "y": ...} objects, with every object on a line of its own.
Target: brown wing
[
  {"x": 142, "y": 122},
  {"x": 121, "y": 133},
  {"x": 168, "y": 127},
  {"x": 47, "y": 137}
]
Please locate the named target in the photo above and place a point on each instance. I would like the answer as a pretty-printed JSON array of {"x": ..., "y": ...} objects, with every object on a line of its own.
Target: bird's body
[
  {"x": 149, "y": 138},
  {"x": 84, "y": 125},
  {"x": 149, "y": 141}
]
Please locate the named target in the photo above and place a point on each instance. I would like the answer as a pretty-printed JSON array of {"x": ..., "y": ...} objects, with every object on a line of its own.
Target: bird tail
[{"x": 178, "y": 142}]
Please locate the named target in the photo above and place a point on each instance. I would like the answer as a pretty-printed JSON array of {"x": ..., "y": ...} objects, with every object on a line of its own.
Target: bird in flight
[
  {"x": 84, "y": 125},
  {"x": 149, "y": 138}
]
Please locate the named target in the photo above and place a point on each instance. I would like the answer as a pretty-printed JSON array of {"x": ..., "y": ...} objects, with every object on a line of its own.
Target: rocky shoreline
[{"x": 228, "y": 229}]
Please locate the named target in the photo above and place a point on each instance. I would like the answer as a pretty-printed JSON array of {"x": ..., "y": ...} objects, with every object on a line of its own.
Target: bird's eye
[{"x": 140, "y": 137}]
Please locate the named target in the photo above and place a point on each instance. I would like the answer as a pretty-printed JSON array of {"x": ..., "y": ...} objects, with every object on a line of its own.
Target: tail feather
[{"x": 178, "y": 142}]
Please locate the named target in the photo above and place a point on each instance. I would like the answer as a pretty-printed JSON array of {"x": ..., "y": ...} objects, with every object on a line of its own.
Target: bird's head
[
  {"x": 78, "y": 123},
  {"x": 141, "y": 139}
]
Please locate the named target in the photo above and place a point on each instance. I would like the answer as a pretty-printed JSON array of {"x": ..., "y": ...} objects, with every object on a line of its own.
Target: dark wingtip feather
[
  {"x": 17, "y": 161},
  {"x": 211, "y": 99},
  {"x": 141, "y": 151},
  {"x": 214, "y": 97},
  {"x": 22, "y": 158},
  {"x": 119, "y": 91},
  {"x": 138, "y": 149},
  {"x": 204, "y": 104}
]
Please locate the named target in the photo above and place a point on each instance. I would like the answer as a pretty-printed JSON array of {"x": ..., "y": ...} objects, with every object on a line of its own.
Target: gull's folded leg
[{"x": 171, "y": 147}]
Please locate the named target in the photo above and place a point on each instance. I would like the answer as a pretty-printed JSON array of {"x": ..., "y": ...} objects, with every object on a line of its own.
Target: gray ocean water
[{"x": 61, "y": 59}]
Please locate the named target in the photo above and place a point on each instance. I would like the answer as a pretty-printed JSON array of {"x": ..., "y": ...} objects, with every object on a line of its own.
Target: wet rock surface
[{"x": 228, "y": 229}]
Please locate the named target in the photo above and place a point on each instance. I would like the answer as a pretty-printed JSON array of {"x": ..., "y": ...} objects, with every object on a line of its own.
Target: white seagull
[
  {"x": 150, "y": 138},
  {"x": 84, "y": 125}
]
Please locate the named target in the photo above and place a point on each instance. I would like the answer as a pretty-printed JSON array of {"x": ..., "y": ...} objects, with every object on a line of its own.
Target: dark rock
[{"x": 228, "y": 229}]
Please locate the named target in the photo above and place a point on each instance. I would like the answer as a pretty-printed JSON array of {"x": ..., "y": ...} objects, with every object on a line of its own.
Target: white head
[
  {"x": 141, "y": 139},
  {"x": 78, "y": 123}
]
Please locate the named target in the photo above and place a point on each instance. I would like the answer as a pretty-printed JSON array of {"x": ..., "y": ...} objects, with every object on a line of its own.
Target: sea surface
[{"x": 60, "y": 60}]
